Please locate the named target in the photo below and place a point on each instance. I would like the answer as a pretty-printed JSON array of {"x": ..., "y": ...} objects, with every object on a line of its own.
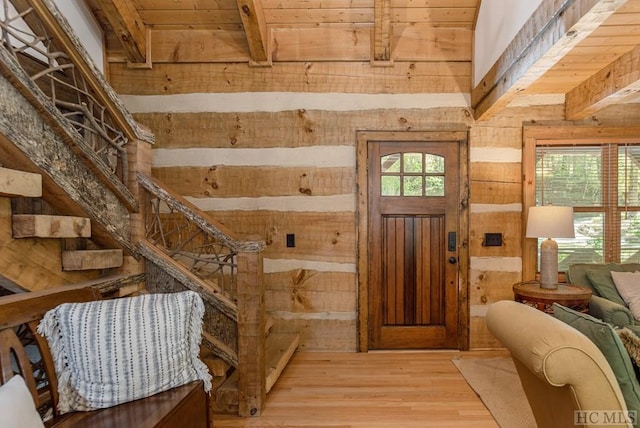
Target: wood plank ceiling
[{"x": 587, "y": 50}]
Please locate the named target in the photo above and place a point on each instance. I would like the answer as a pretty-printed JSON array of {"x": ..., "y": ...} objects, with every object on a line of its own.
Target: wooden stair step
[
  {"x": 118, "y": 285},
  {"x": 91, "y": 259},
  {"x": 50, "y": 226},
  {"x": 20, "y": 183},
  {"x": 226, "y": 396},
  {"x": 217, "y": 366},
  {"x": 279, "y": 350},
  {"x": 227, "y": 401}
]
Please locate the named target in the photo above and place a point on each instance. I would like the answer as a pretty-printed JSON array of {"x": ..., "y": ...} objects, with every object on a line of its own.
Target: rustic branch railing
[
  {"x": 182, "y": 240},
  {"x": 51, "y": 68},
  {"x": 227, "y": 265},
  {"x": 173, "y": 225}
]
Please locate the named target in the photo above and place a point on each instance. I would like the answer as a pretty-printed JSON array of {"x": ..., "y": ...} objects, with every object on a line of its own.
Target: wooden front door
[{"x": 413, "y": 201}]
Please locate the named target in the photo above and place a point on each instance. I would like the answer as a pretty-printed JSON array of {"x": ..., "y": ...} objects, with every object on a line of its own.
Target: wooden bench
[{"x": 185, "y": 406}]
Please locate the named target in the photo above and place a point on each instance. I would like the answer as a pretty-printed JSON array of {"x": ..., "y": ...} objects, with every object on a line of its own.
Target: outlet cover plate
[{"x": 493, "y": 239}]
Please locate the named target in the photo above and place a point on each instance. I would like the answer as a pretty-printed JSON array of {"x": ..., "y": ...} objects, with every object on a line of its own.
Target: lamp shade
[{"x": 550, "y": 221}]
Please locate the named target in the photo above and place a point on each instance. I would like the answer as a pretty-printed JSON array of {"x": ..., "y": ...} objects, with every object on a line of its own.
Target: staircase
[
  {"x": 234, "y": 312},
  {"x": 186, "y": 248},
  {"x": 36, "y": 243},
  {"x": 78, "y": 205}
]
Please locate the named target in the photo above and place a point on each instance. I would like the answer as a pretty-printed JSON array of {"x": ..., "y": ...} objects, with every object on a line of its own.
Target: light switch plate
[{"x": 492, "y": 240}]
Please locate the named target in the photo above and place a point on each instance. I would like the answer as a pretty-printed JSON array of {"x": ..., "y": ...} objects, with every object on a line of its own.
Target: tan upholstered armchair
[{"x": 561, "y": 370}]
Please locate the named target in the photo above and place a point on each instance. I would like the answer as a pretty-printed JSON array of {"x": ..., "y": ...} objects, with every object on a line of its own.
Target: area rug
[{"x": 496, "y": 382}]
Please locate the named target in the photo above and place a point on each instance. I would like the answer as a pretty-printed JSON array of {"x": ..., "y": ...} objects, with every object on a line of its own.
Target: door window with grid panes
[{"x": 412, "y": 174}]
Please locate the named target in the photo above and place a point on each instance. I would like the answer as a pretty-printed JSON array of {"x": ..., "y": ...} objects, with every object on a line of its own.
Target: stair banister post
[{"x": 251, "y": 334}]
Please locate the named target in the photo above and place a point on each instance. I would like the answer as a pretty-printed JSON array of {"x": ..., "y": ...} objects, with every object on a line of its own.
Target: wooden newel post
[{"x": 252, "y": 391}]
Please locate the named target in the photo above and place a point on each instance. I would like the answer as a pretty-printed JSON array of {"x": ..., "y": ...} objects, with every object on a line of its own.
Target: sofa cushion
[
  {"x": 577, "y": 272},
  {"x": 607, "y": 340},
  {"x": 602, "y": 281},
  {"x": 113, "y": 351},
  {"x": 628, "y": 286}
]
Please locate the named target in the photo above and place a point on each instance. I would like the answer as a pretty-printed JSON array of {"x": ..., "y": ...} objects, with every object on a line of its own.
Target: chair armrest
[
  {"x": 561, "y": 370},
  {"x": 610, "y": 312}
]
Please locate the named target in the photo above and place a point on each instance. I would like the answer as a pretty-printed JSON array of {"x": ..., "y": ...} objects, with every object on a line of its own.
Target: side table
[{"x": 571, "y": 296}]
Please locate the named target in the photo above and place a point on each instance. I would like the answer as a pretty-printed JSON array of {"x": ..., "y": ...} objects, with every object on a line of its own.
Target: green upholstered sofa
[{"x": 605, "y": 304}]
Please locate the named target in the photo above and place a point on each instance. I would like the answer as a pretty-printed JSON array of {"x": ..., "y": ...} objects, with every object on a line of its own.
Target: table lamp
[{"x": 549, "y": 221}]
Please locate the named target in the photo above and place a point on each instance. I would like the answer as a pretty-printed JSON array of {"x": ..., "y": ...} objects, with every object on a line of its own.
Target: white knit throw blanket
[{"x": 109, "y": 352}]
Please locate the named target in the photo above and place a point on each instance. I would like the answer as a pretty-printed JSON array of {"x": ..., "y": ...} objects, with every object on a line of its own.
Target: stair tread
[
  {"x": 50, "y": 226},
  {"x": 279, "y": 350},
  {"x": 110, "y": 284},
  {"x": 91, "y": 259},
  {"x": 217, "y": 366},
  {"x": 20, "y": 183},
  {"x": 225, "y": 399}
]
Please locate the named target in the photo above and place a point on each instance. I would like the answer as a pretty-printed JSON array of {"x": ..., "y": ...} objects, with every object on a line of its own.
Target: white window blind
[{"x": 601, "y": 183}]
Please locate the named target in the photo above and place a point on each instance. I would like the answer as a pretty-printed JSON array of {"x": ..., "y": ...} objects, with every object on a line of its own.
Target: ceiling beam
[
  {"x": 613, "y": 84},
  {"x": 555, "y": 28},
  {"x": 381, "y": 31},
  {"x": 255, "y": 28},
  {"x": 130, "y": 29}
]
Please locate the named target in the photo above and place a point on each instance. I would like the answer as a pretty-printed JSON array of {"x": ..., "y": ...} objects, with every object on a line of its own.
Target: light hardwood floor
[{"x": 375, "y": 389}]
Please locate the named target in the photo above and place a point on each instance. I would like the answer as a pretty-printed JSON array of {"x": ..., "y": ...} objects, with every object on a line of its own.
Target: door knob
[{"x": 453, "y": 260}]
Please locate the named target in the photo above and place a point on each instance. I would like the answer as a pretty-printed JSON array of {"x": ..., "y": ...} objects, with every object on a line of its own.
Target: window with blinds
[{"x": 602, "y": 184}]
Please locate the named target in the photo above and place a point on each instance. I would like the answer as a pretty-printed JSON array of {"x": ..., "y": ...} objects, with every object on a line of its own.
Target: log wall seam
[
  {"x": 341, "y": 316},
  {"x": 310, "y": 156},
  {"x": 247, "y": 102},
  {"x": 478, "y": 310},
  {"x": 498, "y": 264},
  {"x": 497, "y": 155},
  {"x": 285, "y": 265},
  {"x": 494, "y": 208},
  {"x": 324, "y": 204}
]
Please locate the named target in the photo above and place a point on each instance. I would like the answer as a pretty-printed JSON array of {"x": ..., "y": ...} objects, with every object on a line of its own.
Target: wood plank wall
[
  {"x": 271, "y": 151},
  {"x": 496, "y": 200},
  {"x": 284, "y": 172}
]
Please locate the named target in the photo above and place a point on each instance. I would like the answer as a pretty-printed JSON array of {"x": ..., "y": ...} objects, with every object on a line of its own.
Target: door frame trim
[{"x": 456, "y": 134}]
